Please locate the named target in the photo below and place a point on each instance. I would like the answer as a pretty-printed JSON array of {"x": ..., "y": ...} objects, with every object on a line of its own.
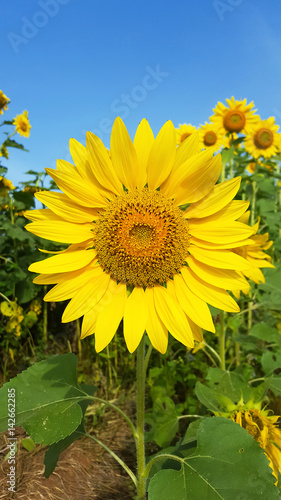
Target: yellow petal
[
  {"x": 124, "y": 157},
  {"x": 43, "y": 214},
  {"x": 143, "y": 141},
  {"x": 172, "y": 316},
  {"x": 199, "y": 181},
  {"x": 178, "y": 175},
  {"x": 101, "y": 164},
  {"x": 156, "y": 330},
  {"x": 135, "y": 308},
  {"x": 67, "y": 288},
  {"x": 188, "y": 148},
  {"x": 193, "y": 306},
  {"x": 255, "y": 274},
  {"x": 226, "y": 279},
  {"x": 68, "y": 261},
  {"x": 211, "y": 294},
  {"x": 89, "y": 322},
  {"x": 216, "y": 199},
  {"x": 65, "y": 208},
  {"x": 86, "y": 298},
  {"x": 219, "y": 246},
  {"x": 196, "y": 330},
  {"x": 222, "y": 259},
  {"x": 232, "y": 211},
  {"x": 217, "y": 232},
  {"x": 61, "y": 231},
  {"x": 110, "y": 317},
  {"x": 162, "y": 156},
  {"x": 78, "y": 189}
]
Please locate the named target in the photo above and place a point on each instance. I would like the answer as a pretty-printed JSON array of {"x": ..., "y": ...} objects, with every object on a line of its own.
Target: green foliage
[
  {"x": 163, "y": 420},
  {"x": 47, "y": 399},
  {"x": 228, "y": 464}
]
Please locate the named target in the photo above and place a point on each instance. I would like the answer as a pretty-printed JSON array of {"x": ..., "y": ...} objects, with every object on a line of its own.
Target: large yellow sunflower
[
  {"x": 238, "y": 116},
  {"x": 184, "y": 131},
  {"x": 22, "y": 124},
  {"x": 210, "y": 137},
  {"x": 4, "y": 101},
  {"x": 150, "y": 235},
  {"x": 263, "y": 139},
  {"x": 262, "y": 427}
]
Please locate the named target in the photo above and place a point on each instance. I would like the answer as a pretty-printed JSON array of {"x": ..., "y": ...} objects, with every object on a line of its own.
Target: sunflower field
[{"x": 143, "y": 282}]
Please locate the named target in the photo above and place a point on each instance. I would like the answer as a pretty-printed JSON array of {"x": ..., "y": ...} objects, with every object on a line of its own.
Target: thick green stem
[
  {"x": 222, "y": 340},
  {"x": 79, "y": 344},
  {"x": 141, "y": 485}
]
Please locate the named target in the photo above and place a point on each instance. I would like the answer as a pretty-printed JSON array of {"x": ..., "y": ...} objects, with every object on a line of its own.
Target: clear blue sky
[{"x": 75, "y": 65}]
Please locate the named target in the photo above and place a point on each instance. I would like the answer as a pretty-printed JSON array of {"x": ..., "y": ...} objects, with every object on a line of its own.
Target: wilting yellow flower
[
  {"x": 136, "y": 251},
  {"x": 15, "y": 314},
  {"x": 211, "y": 137},
  {"x": 22, "y": 124},
  {"x": 263, "y": 139},
  {"x": 263, "y": 428},
  {"x": 238, "y": 116},
  {"x": 4, "y": 101},
  {"x": 184, "y": 131},
  {"x": 4, "y": 152}
]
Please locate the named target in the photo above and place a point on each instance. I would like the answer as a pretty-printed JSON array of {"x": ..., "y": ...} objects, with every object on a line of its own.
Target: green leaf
[
  {"x": 164, "y": 422},
  {"x": 228, "y": 464},
  {"x": 275, "y": 385},
  {"x": 47, "y": 399},
  {"x": 10, "y": 143},
  {"x": 206, "y": 397},
  {"x": 265, "y": 332},
  {"x": 54, "y": 451},
  {"x": 271, "y": 361},
  {"x": 28, "y": 444}
]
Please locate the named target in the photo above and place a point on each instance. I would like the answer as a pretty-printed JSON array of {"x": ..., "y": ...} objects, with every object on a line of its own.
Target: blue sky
[{"x": 75, "y": 65}]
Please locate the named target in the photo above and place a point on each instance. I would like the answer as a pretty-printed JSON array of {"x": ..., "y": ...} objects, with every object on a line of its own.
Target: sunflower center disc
[
  {"x": 141, "y": 239},
  {"x": 210, "y": 138},
  {"x": 263, "y": 138},
  {"x": 234, "y": 121}
]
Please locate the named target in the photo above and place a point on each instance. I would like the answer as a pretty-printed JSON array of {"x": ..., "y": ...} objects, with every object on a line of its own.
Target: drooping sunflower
[
  {"x": 150, "y": 235},
  {"x": 22, "y": 124},
  {"x": 263, "y": 139},
  {"x": 237, "y": 117},
  {"x": 210, "y": 137},
  {"x": 184, "y": 131},
  {"x": 4, "y": 101},
  {"x": 262, "y": 427}
]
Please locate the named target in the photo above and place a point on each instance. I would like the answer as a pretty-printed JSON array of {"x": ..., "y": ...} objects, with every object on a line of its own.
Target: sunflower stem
[
  {"x": 141, "y": 484},
  {"x": 222, "y": 340},
  {"x": 45, "y": 318}
]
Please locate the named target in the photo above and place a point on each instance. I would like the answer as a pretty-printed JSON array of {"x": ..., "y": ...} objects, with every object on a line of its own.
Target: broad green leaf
[
  {"x": 206, "y": 397},
  {"x": 164, "y": 422},
  {"x": 275, "y": 385},
  {"x": 271, "y": 361},
  {"x": 265, "y": 332},
  {"x": 229, "y": 384},
  {"x": 228, "y": 464},
  {"x": 47, "y": 399},
  {"x": 54, "y": 450}
]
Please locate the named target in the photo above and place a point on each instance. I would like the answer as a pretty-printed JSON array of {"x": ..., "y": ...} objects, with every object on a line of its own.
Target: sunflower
[
  {"x": 237, "y": 117},
  {"x": 22, "y": 124},
  {"x": 262, "y": 427},
  {"x": 211, "y": 137},
  {"x": 4, "y": 101},
  {"x": 149, "y": 233},
  {"x": 184, "y": 131},
  {"x": 4, "y": 152},
  {"x": 5, "y": 186},
  {"x": 263, "y": 139}
]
